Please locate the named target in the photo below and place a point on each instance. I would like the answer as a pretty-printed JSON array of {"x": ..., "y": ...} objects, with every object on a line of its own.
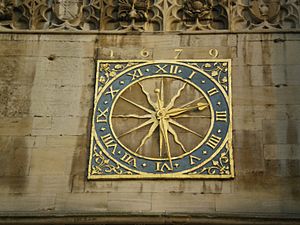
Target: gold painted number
[
  {"x": 145, "y": 53},
  {"x": 163, "y": 167},
  {"x": 221, "y": 116},
  {"x": 109, "y": 142},
  {"x": 112, "y": 54},
  {"x": 130, "y": 160},
  {"x": 213, "y": 141},
  {"x": 178, "y": 52},
  {"x": 213, "y": 53},
  {"x": 102, "y": 118}
]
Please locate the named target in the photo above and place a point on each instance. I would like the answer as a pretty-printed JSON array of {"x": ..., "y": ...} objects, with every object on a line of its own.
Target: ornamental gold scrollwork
[
  {"x": 107, "y": 72},
  {"x": 217, "y": 70},
  {"x": 219, "y": 165},
  {"x": 103, "y": 165}
]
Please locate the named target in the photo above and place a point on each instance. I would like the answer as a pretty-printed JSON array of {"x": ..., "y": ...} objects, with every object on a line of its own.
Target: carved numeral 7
[{"x": 178, "y": 51}]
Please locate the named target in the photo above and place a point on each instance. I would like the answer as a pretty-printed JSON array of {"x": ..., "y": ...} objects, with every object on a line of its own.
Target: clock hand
[
  {"x": 176, "y": 139},
  {"x": 172, "y": 102},
  {"x": 137, "y": 105},
  {"x": 176, "y": 111},
  {"x": 148, "y": 135},
  {"x": 152, "y": 120},
  {"x": 164, "y": 126},
  {"x": 184, "y": 128},
  {"x": 133, "y": 116},
  {"x": 154, "y": 105}
]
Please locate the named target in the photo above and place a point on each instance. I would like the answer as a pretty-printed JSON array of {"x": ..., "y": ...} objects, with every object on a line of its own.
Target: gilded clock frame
[{"x": 227, "y": 140}]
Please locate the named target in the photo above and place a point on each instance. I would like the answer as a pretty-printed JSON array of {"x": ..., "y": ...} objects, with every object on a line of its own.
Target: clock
[{"x": 162, "y": 119}]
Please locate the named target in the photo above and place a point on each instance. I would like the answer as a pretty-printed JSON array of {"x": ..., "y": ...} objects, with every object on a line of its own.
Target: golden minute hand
[{"x": 176, "y": 111}]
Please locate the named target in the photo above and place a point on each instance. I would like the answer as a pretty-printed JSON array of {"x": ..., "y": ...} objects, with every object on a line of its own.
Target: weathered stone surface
[
  {"x": 282, "y": 151},
  {"x": 47, "y": 88},
  {"x": 183, "y": 202},
  {"x": 281, "y": 131},
  {"x": 81, "y": 202},
  {"x": 41, "y": 202},
  {"x": 126, "y": 202},
  {"x": 248, "y": 203}
]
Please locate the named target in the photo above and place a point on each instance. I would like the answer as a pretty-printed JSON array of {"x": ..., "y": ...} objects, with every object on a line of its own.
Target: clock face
[{"x": 161, "y": 119}]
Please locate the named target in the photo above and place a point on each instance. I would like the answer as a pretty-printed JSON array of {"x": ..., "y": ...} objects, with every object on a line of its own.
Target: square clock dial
[{"x": 162, "y": 119}]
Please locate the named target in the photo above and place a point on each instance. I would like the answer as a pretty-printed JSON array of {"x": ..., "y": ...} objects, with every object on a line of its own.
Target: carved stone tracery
[
  {"x": 205, "y": 15},
  {"x": 149, "y": 15},
  {"x": 265, "y": 14}
]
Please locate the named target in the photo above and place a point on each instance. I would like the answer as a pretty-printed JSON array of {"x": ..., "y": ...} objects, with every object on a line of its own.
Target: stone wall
[{"x": 46, "y": 99}]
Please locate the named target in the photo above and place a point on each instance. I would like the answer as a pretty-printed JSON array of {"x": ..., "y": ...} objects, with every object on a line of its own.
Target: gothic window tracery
[{"x": 149, "y": 15}]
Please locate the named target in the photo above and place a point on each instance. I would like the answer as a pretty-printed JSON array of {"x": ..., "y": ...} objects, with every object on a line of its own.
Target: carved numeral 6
[{"x": 145, "y": 53}]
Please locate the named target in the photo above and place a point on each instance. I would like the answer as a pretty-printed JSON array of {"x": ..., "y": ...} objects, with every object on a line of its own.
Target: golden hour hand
[{"x": 177, "y": 111}]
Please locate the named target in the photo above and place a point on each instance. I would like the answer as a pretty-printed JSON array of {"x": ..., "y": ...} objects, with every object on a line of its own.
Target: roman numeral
[
  {"x": 102, "y": 117},
  {"x": 221, "y": 116},
  {"x": 213, "y": 141},
  {"x": 130, "y": 160},
  {"x": 112, "y": 92},
  {"x": 170, "y": 69},
  {"x": 192, "y": 158},
  {"x": 174, "y": 69},
  {"x": 192, "y": 75},
  {"x": 136, "y": 74},
  {"x": 163, "y": 167},
  {"x": 109, "y": 142},
  {"x": 212, "y": 91}
]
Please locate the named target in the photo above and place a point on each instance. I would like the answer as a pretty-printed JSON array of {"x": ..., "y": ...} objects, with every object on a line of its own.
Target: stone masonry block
[
  {"x": 46, "y": 48},
  {"x": 183, "y": 202},
  {"x": 133, "y": 202},
  {"x": 281, "y": 131},
  {"x": 34, "y": 184},
  {"x": 145, "y": 41},
  {"x": 16, "y": 161},
  {"x": 50, "y": 162},
  {"x": 27, "y": 202},
  {"x": 272, "y": 111},
  {"x": 81, "y": 202},
  {"x": 281, "y": 151},
  {"x": 65, "y": 71},
  {"x": 283, "y": 167},
  {"x": 15, "y": 126},
  {"x": 64, "y": 126},
  {"x": 41, "y": 123},
  {"x": 247, "y": 203},
  {"x": 95, "y": 186},
  {"x": 240, "y": 76}
]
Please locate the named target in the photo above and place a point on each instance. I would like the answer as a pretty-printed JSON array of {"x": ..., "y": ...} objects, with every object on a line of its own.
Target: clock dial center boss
[{"x": 160, "y": 119}]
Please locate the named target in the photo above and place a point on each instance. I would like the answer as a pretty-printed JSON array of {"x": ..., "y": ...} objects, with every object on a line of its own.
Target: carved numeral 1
[
  {"x": 212, "y": 91},
  {"x": 109, "y": 142},
  {"x": 213, "y": 141},
  {"x": 102, "y": 118},
  {"x": 130, "y": 160},
  {"x": 221, "y": 116},
  {"x": 163, "y": 167}
]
